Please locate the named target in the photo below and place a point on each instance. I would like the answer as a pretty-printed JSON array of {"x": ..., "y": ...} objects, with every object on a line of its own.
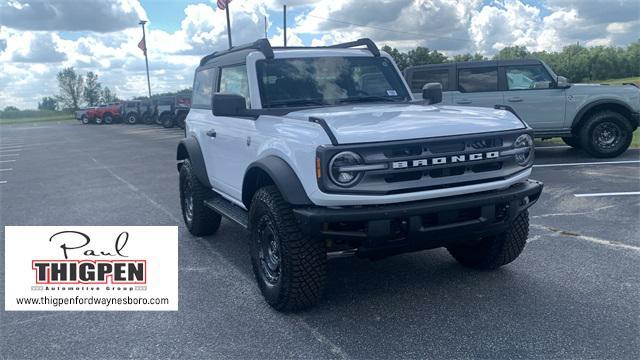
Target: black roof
[
  {"x": 472, "y": 64},
  {"x": 264, "y": 46}
]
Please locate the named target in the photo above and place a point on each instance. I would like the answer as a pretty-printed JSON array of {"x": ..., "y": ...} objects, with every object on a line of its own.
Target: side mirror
[
  {"x": 562, "y": 83},
  {"x": 228, "y": 105},
  {"x": 432, "y": 92}
]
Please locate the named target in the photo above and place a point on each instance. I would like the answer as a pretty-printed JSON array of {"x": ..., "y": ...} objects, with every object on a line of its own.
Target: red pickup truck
[{"x": 107, "y": 113}]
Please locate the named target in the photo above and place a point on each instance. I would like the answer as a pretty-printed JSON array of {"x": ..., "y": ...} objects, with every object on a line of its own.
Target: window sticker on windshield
[{"x": 392, "y": 93}]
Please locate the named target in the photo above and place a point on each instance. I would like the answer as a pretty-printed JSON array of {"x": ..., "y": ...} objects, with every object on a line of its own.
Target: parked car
[
  {"x": 131, "y": 111},
  {"x": 109, "y": 113},
  {"x": 323, "y": 152},
  {"x": 80, "y": 115},
  {"x": 90, "y": 116},
  {"x": 597, "y": 118},
  {"x": 173, "y": 110},
  {"x": 148, "y": 111}
]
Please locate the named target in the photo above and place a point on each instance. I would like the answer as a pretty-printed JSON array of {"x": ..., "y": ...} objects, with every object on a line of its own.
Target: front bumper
[{"x": 422, "y": 224}]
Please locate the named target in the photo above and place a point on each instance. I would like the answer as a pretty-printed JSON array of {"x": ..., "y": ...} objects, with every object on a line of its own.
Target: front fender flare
[
  {"x": 190, "y": 148},
  {"x": 283, "y": 177}
]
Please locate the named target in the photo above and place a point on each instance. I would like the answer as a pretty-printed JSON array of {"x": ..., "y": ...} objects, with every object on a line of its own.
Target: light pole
[{"x": 146, "y": 60}]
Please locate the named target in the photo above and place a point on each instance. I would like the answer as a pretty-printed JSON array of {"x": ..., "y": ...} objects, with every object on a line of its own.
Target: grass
[
  {"x": 634, "y": 79},
  {"x": 27, "y": 120}
]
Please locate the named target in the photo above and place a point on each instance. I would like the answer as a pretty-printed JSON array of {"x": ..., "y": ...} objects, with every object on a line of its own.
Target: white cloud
[
  {"x": 30, "y": 57},
  {"x": 58, "y": 15}
]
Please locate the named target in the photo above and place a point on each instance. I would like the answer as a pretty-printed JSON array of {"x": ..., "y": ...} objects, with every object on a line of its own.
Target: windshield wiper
[
  {"x": 301, "y": 102},
  {"x": 367, "y": 99}
]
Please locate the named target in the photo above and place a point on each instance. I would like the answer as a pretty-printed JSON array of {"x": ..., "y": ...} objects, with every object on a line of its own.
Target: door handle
[
  {"x": 514, "y": 99},
  {"x": 211, "y": 133},
  {"x": 463, "y": 101}
]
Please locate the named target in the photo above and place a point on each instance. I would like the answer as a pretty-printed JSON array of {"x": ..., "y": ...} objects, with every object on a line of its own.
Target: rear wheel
[
  {"x": 574, "y": 142},
  {"x": 166, "y": 120},
  {"x": 180, "y": 120},
  {"x": 606, "y": 134},
  {"x": 290, "y": 268},
  {"x": 108, "y": 119},
  {"x": 494, "y": 251},
  {"x": 199, "y": 219},
  {"x": 84, "y": 119},
  {"x": 98, "y": 120}
]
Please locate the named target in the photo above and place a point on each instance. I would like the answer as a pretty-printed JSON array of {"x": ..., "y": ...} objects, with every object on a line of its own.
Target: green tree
[
  {"x": 468, "y": 57},
  {"x": 71, "y": 87},
  {"x": 48, "y": 103},
  {"x": 11, "y": 109},
  {"x": 422, "y": 56},
  {"x": 107, "y": 96},
  {"x": 92, "y": 89},
  {"x": 399, "y": 58},
  {"x": 512, "y": 52}
]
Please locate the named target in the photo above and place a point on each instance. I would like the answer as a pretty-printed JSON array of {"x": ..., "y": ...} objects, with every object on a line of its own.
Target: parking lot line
[
  {"x": 591, "y": 163},
  {"x": 609, "y": 194},
  {"x": 9, "y": 154},
  {"x": 2, "y": 161},
  {"x": 3, "y": 182},
  {"x": 10, "y": 150},
  {"x": 7, "y": 169}
]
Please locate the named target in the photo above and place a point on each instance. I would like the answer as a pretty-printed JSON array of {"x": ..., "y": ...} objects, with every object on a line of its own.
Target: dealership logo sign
[{"x": 91, "y": 268}]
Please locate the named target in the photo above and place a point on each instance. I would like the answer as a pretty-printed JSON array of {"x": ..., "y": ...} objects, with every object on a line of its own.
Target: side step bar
[{"x": 228, "y": 210}]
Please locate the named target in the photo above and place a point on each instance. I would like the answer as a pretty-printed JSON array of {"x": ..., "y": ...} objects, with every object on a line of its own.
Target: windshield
[{"x": 328, "y": 81}]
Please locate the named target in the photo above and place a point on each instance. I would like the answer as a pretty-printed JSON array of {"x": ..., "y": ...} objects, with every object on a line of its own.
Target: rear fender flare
[{"x": 189, "y": 148}]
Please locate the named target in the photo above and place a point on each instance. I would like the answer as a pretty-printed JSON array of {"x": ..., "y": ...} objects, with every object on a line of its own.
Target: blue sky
[{"x": 40, "y": 37}]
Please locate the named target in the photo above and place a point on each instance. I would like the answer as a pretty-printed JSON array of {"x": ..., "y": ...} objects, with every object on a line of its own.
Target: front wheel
[
  {"x": 132, "y": 119},
  {"x": 494, "y": 251},
  {"x": 199, "y": 219},
  {"x": 290, "y": 268},
  {"x": 606, "y": 134},
  {"x": 166, "y": 120},
  {"x": 98, "y": 120},
  {"x": 84, "y": 119}
]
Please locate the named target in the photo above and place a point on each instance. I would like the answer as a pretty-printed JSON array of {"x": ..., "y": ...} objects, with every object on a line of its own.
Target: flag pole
[
  {"x": 284, "y": 20},
  {"x": 226, "y": 8},
  {"x": 146, "y": 60}
]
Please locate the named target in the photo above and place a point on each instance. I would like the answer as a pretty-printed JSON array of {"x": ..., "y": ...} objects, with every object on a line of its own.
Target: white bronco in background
[
  {"x": 597, "y": 118},
  {"x": 323, "y": 152}
]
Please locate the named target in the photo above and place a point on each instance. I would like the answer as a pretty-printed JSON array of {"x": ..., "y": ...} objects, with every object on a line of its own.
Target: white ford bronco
[{"x": 323, "y": 152}]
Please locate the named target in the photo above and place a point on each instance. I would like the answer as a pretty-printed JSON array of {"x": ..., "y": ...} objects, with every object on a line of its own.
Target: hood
[{"x": 388, "y": 122}]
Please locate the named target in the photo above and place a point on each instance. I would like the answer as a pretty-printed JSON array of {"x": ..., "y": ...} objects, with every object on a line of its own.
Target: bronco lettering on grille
[{"x": 444, "y": 160}]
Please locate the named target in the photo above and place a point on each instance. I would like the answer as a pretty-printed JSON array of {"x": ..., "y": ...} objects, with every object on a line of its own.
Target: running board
[{"x": 228, "y": 210}]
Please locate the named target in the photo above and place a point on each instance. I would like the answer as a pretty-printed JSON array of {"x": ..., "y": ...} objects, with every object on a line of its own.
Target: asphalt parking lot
[{"x": 573, "y": 293}]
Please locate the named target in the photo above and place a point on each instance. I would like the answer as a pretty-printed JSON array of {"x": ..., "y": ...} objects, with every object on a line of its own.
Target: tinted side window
[
  {"x": 528, "y": 77},
  {"x": 233, "y": 80},
  {"x": 203, "y": 88},
  {"x": 421, "y": 77},
  {"x": 478, "y": 80}
]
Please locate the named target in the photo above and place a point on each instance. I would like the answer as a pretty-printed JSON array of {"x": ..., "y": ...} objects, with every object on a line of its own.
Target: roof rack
[
  {"x": 364, "y": 41},
  {"x": 264, "y": 46}
]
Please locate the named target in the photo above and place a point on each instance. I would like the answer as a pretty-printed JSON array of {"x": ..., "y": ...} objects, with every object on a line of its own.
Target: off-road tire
[
  {"x": 594, "y": 145},
  {"x": 166, "y": 120},
  {"x": 132, "y": 118},
  {"x": 202, "y": 221},
  {"x": 303, "y": 260},
  {"x": 180, "y": 120},
  {"x": 84, "y": 119},
  {"x": 108, "y": 119},
  {"x": 494, "y": 251},
  {"x": 574, "y": 142}
]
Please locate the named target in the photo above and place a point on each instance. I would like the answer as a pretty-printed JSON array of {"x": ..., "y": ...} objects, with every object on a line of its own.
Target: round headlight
[
  {"x": 338, "y": 174},
  {"x": 524, "y": 143}
]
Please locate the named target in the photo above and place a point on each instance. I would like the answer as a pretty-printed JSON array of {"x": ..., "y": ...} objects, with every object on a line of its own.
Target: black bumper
[{"x": 421, "y": 224}]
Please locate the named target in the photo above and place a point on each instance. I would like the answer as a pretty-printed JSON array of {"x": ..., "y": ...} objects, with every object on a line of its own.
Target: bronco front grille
[{"x": 428, "y": 164}]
